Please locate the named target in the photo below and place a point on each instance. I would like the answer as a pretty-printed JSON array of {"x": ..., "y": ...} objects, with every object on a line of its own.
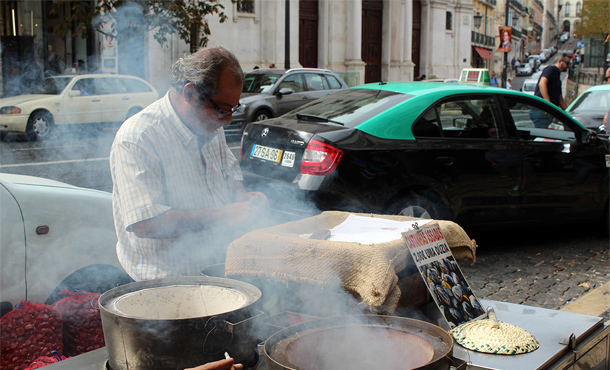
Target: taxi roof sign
[{"x": 479, "y": 76}]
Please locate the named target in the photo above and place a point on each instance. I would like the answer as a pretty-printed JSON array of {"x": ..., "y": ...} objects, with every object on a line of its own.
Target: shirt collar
[{"x": 185, "y": 135}]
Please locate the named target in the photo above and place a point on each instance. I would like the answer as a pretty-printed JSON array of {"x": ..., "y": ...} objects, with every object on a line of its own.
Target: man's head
[
  {"x": 209, "y": 83},
  {"x": 493, "y": 74},
  {"x": 564, "y": 62}
]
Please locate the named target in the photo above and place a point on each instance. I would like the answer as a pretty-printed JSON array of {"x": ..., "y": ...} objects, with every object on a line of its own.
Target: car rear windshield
[
  {"x": 350, "y": 107},
  {"x": 530, "y": 86},
  {"x": 53, "y": 85},
  {"x": 589, "y": 101},
  {"x": 259, "y": 82}
]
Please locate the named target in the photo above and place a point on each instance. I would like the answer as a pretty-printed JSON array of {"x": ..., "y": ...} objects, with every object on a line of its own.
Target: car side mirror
[
  {"x": 285, "y": 91},
  {"x": 74, "y": 93},
  {"x": 588, "y": 136}
]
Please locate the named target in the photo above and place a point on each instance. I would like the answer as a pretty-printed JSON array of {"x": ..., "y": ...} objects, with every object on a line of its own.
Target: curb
[{"x": 594, "y": 303}]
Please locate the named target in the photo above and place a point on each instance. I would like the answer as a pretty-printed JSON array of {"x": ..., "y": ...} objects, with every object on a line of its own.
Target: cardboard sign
[{"x": 442, "y": 275}]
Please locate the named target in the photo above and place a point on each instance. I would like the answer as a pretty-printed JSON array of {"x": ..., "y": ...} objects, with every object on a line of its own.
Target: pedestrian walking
[
  {"x": 494, "y": 79},
  {"x": 508, "y": 84},
  {"x": 549, "y": 88}
]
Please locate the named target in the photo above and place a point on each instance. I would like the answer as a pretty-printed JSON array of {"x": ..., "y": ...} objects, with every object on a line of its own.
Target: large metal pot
[
  {"x": 360, "y": 342},
  {"x": 178, "y": 322}
]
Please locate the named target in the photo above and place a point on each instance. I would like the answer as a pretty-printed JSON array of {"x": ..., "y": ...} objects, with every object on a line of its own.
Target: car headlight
[
  {"x": 10, "y": 110},
  {"x": 242, "y": 108}
]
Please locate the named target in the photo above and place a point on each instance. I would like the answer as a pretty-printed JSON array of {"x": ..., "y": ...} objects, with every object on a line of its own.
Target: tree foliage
[
  {"x": 164, "y": 17},
  {"x": 595, "y": 19}
]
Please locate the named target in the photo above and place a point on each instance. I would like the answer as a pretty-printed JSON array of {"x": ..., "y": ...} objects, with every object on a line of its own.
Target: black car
[{"x": 473, "y": 154}]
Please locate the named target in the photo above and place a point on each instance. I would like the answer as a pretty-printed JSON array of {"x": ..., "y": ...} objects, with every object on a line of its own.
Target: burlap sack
[{"x": 281, "y": 253}]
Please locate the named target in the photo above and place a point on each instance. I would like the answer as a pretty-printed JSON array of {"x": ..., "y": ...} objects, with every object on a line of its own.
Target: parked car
[
  {"x": 77, "y": 100},
  {"x": 591, "y": 106},
  {"x": 564, "y": 37},
  {"x": 536, "y": 75},
  {"x": 269, "y": 93},
  {"x": 524, "y": 69},
  {"x": 529, "y": 86},
  {"x": 534, "y": 61},
  {"x": 54, "y": 236},
  {"x": 468, "y": 153},
  {"x": 544, "y": 55}
]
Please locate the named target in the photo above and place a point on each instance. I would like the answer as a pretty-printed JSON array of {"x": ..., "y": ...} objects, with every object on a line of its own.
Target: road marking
[
  {"x": 54, "y": 162},
  {"x": 47, "y": 148}
]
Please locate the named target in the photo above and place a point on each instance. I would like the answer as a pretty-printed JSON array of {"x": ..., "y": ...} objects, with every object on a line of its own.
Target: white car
[
  {"x": 75, "y": 100},
  {"x": 54, "y": 236},
  {"x": 524, "y": 69},
  {"x": 529, "y": 86}
]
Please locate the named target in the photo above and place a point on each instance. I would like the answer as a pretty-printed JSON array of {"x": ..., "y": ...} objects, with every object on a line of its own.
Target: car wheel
[
  {"x": 132, "y": 112},
  {"x": 420, "y": 206},
  {"x": 93, "y": 279},
  {"x": 261, "y": 116},
  {"x": 39, "y": 126}
]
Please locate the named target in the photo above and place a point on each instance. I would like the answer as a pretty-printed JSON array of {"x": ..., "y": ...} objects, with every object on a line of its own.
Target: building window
[
  {"x": 567, "y": 9},
  {"x": 245, "y": 6},
  {"x": 578, "y": 8},
  {"x": 449, "y": 21}
]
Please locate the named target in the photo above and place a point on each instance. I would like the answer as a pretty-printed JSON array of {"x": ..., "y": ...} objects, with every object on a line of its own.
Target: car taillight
[{"x": 320, "y": 158}]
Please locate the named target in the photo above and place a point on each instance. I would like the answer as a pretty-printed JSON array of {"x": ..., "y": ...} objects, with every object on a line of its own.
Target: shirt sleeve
[{"x": 138, "y": 177}]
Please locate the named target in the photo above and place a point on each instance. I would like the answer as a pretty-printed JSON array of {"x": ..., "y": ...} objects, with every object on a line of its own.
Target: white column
[{"x": 353, "y": 58}]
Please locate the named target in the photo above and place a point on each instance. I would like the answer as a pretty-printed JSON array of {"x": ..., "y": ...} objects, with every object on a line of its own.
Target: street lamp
[
  {"x": 477, "y": 20},
  {"x": 515, "y": 19}
]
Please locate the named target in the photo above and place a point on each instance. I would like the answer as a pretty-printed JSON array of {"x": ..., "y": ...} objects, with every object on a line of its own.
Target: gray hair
[{"x": 204, "y": 68}]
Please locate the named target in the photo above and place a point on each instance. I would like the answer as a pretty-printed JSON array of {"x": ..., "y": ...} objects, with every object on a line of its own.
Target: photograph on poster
[{"x": 506, "y": 33}]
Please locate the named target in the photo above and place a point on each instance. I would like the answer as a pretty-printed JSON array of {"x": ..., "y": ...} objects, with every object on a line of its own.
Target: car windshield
[
  {"x": 592, "y": 101},
  {"x": 52, "y": 85},
  {"x": 260, "y": 82},
  {"x": 350, "y": 107}
]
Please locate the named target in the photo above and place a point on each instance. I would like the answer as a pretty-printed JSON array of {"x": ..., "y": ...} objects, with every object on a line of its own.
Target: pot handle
[
  {"x": 458, "y": 363},
  {"x": 229, "y": 326}
]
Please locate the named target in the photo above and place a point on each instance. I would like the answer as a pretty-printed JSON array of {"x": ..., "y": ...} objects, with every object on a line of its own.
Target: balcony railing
[
  {"x": 484, "y": 40},
  {"x": 517, "y": 5}
]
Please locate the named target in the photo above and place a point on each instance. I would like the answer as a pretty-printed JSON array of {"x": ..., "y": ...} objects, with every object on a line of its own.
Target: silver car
[{"x": 269, "y": 93}]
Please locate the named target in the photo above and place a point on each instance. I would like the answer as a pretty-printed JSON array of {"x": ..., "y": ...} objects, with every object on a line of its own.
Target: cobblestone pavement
[{"x": 547, "y": 268}]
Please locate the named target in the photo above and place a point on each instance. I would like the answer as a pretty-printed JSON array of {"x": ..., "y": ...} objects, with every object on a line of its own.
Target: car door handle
[
  {"x": 124, "y": 98},
  {"x": 446, "y": 160},
  {"x": 95, "y": 100}
]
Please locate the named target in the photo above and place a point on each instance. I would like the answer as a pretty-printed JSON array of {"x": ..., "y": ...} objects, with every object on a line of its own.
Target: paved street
[{"x": 547, "y": 267}]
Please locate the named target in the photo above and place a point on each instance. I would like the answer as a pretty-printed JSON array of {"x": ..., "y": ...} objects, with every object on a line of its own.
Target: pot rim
[
  {"x": 251, "y": 293},
  {"x": 437, "y": 337}
]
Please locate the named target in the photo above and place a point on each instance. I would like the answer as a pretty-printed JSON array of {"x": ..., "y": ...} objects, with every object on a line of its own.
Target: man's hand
[{"x": 219, "y": 365}]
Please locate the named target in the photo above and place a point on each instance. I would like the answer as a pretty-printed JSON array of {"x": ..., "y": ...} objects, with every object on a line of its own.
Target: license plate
[
  {"x": 266, "y": 153},
  {"x": 288, "y": 159}
]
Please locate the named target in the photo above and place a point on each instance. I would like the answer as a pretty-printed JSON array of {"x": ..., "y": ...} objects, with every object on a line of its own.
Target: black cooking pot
[
  {"x": 178, "y": 322},
  {"x": 361, "y": 342}
]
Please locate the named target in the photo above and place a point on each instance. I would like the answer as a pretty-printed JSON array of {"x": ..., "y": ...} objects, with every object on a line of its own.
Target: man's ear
[{"x": 190, "y": 93}]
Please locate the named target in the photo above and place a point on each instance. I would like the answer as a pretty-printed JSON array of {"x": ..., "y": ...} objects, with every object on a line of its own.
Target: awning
[{"x": 484, "y": 53}]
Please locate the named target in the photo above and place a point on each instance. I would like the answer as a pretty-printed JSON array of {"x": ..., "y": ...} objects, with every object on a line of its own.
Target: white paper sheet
[{"x": 369, "y": 230}]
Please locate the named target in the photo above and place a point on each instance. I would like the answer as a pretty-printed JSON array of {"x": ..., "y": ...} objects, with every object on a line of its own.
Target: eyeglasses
[
  {"x": 221, "y": 112},
  {"x": 567, "y": 62}
]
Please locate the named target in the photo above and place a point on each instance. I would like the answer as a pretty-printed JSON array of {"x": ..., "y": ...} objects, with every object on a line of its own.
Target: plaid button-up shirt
[{"x": 157, "y": 164}]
